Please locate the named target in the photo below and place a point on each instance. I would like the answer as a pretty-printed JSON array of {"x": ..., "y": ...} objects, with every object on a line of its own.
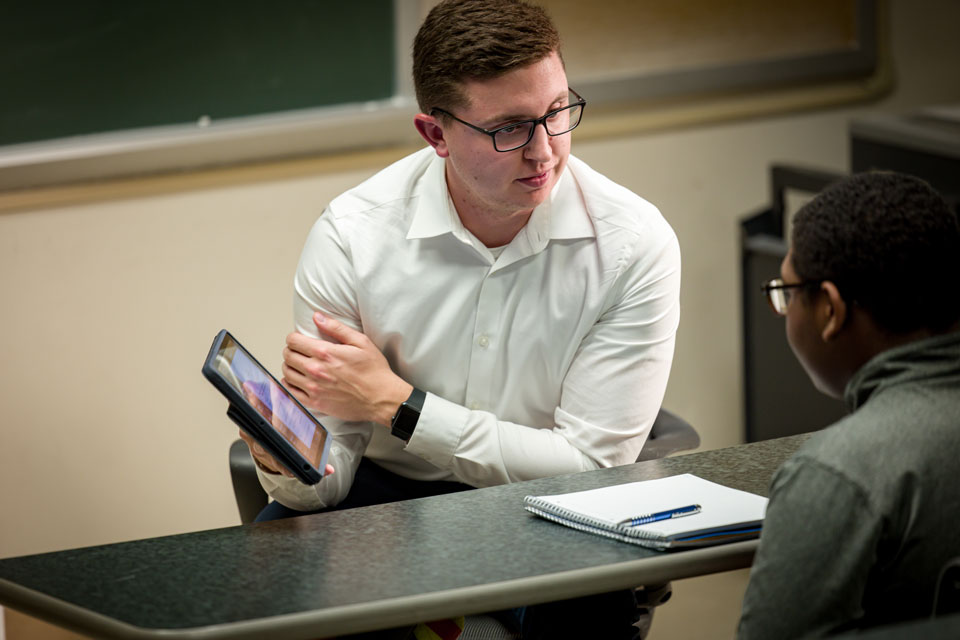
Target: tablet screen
[{"x": 271, "y": 400}]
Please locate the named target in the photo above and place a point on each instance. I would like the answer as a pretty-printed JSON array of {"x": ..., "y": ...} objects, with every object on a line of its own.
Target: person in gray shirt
[{"x": 864, "y": 516}]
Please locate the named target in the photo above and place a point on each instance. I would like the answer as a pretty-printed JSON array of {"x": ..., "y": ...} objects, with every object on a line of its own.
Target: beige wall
[{"x": 107, "y": 307}]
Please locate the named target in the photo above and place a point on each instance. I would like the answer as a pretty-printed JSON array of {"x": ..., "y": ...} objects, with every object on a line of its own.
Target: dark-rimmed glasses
[
  {"x": 778, "y": 293},
  {"x": 512, "y": 136}
]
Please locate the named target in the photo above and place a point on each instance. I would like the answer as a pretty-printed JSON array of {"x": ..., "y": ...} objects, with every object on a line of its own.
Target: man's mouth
[{"x": 536, "y": 181}]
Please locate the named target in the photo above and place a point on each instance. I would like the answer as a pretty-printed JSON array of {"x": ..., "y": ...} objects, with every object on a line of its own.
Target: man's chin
[{"x": 528, "y": 204}]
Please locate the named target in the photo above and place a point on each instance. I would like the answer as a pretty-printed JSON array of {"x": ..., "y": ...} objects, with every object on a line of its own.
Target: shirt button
[
  {"x": 484, "y": 342},
  {"x": 474, "y": 406}
]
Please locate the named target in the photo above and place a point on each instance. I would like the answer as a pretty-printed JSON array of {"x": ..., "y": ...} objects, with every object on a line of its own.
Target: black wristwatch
[{"x": 405, "y": 419}]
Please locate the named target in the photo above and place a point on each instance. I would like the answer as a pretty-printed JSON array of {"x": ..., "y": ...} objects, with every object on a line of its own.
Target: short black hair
[{"x": 891, "y": 245}]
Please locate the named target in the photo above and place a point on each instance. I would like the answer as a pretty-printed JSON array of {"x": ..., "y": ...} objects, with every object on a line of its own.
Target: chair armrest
[{"x": 670, "y": 433}]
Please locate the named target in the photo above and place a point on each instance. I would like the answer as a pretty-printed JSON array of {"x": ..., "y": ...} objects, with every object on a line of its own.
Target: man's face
[
  {"x": 804, "y": 333},
  {"x": 491, "y": 184}
]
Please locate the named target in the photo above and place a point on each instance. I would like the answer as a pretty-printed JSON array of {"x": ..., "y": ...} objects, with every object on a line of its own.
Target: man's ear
[
  {"x": 432, "y": 132},
  {"x": 833, "y": 310}
]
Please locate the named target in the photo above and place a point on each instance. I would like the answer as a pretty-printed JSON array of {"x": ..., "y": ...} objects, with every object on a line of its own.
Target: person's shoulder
[
  {"x": 395, "y": 184},
  {"x": 829, "y": 458},
  {"x": 870, "y": 447},
  {"x": 842, "y": 443},
  {"x": 610, "y": 203},
  {"x": 906, "y": 422}
]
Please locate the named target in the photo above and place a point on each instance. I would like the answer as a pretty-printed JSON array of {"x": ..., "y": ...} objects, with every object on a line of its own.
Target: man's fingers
[
  {"x": 337, "y": 330},
  {"x": 301, "y": 346},
  {"x": 302, "y": 397},
  {"x": 262, "y": 457},
  {"x": 246, "y": 438},
  {"x": 301, "y": 370}
]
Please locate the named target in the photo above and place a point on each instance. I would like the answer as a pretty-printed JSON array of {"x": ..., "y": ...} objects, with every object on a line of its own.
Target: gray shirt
[{"x": 864, "y": 516}]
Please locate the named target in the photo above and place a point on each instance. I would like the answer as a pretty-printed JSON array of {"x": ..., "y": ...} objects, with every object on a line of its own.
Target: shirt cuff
[
  {"x": 290, "y": 492},
  {"x": 438, "y": 431}
]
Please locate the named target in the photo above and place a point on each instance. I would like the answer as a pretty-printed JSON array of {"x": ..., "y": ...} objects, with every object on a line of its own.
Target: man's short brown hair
[{"x": 464, "y": 40}]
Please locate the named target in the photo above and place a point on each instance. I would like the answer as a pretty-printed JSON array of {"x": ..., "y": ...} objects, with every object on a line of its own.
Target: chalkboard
[
  {"x": 72, "y": 67},
  {"x": 271, "y": 79}
]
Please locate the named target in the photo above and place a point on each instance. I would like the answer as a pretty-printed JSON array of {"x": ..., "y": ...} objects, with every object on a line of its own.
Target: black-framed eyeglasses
[
  {"x": 778, "y": 293},
  {"x": 512, "y": 136}
]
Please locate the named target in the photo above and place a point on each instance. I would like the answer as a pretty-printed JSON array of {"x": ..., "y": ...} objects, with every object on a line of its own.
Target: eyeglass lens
[
  {"x": 777, "y": 296},
  {"x": 779, "y": 300},
  {"x": 557, "y": 123}
]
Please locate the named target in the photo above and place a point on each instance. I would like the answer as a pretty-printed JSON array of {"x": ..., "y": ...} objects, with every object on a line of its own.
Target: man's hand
[
  {"x": 260, "y": 456},
  {"x": 267, "y": 462},
  {"x": 351, "y": 380},
  {"x": 263, "y": 459}
]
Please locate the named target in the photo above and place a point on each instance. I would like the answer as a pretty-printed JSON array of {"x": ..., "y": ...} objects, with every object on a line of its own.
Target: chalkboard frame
[{"x": 388, "y": 123}]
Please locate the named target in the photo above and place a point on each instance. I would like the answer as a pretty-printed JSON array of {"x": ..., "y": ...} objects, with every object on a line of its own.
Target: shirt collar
[
  {"x": 434, "y": 214},
  {"x": 568, "y": 216},
  {"x": 562, "y": 217}
]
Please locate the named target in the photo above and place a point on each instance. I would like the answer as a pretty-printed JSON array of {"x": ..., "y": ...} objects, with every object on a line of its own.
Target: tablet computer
[{"x": 263, "y": 408}]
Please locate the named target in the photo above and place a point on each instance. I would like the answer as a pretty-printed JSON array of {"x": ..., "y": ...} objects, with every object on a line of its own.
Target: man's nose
[{"x": 539, "y": 148}]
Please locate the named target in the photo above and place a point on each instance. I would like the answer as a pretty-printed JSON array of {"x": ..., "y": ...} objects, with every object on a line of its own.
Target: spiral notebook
[{"x": 678, "y": 512}]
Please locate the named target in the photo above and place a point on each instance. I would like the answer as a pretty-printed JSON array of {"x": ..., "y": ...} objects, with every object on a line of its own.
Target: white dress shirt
[{"x": 549, "y": 358}]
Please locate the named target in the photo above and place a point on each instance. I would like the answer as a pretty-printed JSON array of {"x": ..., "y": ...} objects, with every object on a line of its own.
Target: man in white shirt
[{"x": 489, "y": 309}]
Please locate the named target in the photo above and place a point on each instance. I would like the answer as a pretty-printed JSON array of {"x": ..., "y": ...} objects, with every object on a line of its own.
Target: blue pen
[{"x": 662, "y": 515}]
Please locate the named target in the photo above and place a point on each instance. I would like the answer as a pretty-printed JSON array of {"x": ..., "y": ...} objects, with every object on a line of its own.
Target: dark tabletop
[{"x": 373, "y": 567}]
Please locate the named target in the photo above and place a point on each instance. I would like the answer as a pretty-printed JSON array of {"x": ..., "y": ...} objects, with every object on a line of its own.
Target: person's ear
[
  {"x": 833, "y": 310},
  {"x": 431, "y": 131}
]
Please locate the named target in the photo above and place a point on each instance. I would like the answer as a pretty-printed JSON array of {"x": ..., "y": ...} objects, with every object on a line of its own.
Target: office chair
[
  {"x": 943, "y": 623},
  {"x": 669, "y": 434},
  {"x": 946, "y": 600}
]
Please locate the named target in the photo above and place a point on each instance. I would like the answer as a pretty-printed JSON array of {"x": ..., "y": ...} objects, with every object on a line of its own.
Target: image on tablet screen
[{"x": 271, "y": 400}]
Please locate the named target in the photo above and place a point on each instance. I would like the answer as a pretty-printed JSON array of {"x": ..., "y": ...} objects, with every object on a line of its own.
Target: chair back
[
  {"x": 670, "y": 433},
  {"x": 250, "y": 496}
]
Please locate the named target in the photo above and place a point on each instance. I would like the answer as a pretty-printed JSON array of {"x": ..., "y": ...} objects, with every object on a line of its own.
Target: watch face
[
  {"x": 407, "y": 416},
  {"x": 405, "y": 421}
]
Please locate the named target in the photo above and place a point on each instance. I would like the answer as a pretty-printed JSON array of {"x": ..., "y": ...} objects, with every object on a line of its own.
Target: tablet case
[{"x": 248, "y": 418}]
